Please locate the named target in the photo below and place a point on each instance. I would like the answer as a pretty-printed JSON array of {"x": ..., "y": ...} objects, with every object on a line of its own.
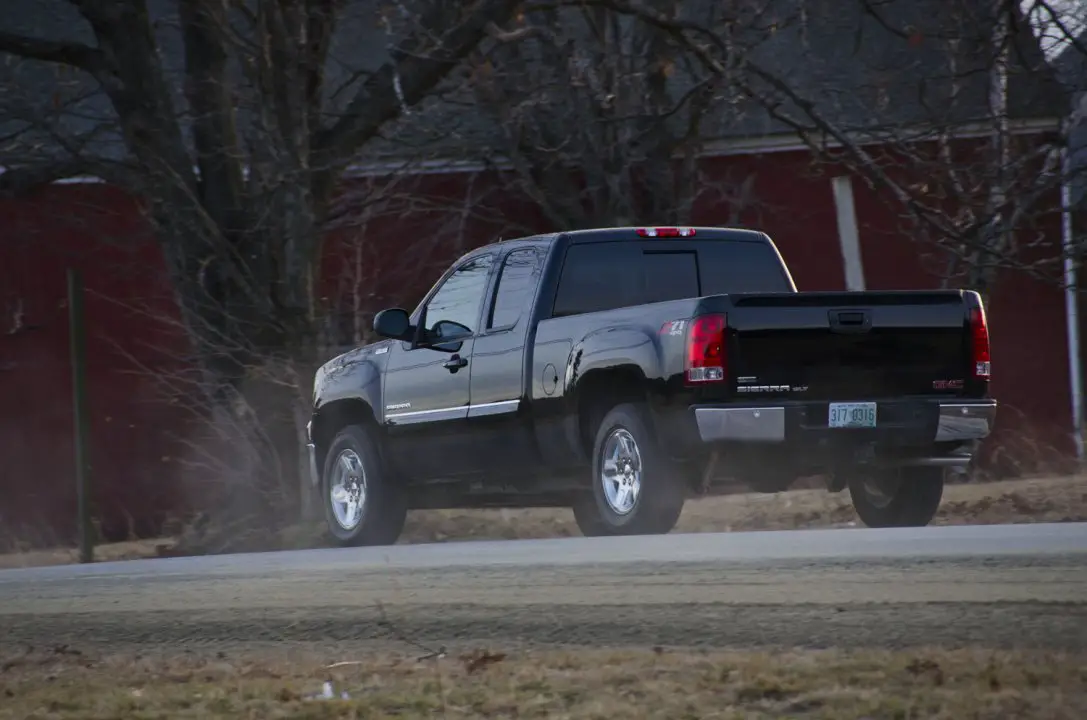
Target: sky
[{"x": 1072, "y": 15}]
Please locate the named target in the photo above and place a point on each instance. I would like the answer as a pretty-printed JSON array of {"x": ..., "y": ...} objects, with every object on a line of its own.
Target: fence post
[{"x": 77, "y": 339}]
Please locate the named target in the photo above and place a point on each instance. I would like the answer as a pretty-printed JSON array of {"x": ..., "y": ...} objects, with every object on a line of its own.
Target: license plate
[{"x": 852, "y": 415}]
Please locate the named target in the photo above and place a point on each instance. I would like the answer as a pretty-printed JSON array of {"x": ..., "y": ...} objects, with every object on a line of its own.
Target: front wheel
[
  {"x": 636, "y": 489},
  {"x": 363, "y": 504},
  {"x": 906, "y": 497}
]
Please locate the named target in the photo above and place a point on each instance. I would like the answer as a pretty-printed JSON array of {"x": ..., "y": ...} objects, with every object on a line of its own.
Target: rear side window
[
  {"x": 515, "y": 283},
  {"x": 599, "y": 276},
  {"x": 609, "y": 275}
]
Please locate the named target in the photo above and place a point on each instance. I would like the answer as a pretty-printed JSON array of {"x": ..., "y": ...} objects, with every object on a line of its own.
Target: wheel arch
[
  {"x": 601, "y": 389},
  {"x": 332, "y": 417}
]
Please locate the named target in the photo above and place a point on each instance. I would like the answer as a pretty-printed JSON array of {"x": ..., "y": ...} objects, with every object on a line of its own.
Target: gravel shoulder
[{"x": 1012, "y": 602}]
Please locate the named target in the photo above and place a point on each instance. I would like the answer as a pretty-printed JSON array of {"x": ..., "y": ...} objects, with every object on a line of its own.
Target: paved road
[{"x": 998, "y": 586}]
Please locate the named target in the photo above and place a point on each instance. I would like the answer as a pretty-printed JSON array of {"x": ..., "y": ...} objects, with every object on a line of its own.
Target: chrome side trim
[
  {"x": 421, "y": 416},
  {"x": 457, "y": 413},
  {"x": 494, "y": 408},
  {"x": 761, "y": 424},
  {"x": 965, "y": 421}
]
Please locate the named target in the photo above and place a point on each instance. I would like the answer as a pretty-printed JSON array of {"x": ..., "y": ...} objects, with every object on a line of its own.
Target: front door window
[{"x": 453, "y": 311}]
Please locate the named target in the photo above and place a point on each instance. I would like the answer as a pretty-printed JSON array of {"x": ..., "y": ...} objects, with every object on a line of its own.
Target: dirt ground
[
  {"x": 1051, "y": 499},
  {"x": 64, "y": 682}
]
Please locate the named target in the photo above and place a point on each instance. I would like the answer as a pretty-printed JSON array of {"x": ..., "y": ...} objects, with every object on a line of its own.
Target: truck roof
[
  {"x": 613, "y": 234},
  {"x": 629, "y": 233}
]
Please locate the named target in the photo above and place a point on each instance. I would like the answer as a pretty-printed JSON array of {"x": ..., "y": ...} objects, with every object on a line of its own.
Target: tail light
[
  {"x": 666, "y": 232},
  {"x": 979, "y": 344},
  {"x": 706, "y": 349}
]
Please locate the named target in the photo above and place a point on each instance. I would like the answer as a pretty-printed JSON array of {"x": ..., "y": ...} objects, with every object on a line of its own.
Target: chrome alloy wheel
[
  {"x": 621, "y": 471},
  {"x": 347, "y": 490}
]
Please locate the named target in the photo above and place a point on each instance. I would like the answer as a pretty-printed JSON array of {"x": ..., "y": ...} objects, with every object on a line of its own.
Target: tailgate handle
[{"x": 850, "y": 321}]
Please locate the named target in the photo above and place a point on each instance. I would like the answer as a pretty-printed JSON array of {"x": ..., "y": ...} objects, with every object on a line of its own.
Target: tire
[
  {"x": 383, "y": 509},
  {"x": 907, "y": 497},
  {"x": 650, "y": 505}
]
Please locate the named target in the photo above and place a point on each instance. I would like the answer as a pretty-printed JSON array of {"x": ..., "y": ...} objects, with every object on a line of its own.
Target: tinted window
[
  {"x": 515, "y": 284},
  {"x": 459, "y": 298},
  {"x": 603, "y": 276},
  {"x": 599, "y": 276},
  {"x": 669, "y": 276},
  {"x": 740, "y": 267}
]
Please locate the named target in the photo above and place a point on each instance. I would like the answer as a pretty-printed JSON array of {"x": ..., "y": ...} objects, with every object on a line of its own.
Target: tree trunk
[{"x": 251, "y": 319}]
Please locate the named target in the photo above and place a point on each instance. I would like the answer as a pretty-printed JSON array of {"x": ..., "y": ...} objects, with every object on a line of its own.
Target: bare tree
[
  {"x": 232, "y": 120},
  {"x": 598, "y": 118},
  {"x": 918, "y": 99}
]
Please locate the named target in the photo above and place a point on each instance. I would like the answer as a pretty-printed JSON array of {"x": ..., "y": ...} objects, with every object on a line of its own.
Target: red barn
[{"x": 834, "y": 231}]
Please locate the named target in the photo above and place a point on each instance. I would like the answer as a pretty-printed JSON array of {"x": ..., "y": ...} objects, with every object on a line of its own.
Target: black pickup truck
[{"x": 621, "y": 371}]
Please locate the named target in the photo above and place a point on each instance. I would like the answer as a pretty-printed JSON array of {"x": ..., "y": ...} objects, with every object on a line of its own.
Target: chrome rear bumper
[{"x": 958, "y": 420}]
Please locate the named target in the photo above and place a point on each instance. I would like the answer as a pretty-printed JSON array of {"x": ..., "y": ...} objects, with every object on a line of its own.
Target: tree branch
[
  {"x": 209, "y": 93},
  {"x": 418, "y": 65},
  {"x": 77, "y": 55}
]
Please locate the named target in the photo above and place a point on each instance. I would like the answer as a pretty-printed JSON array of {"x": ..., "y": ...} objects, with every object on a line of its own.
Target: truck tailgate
[{"x": 832, "y": 346}]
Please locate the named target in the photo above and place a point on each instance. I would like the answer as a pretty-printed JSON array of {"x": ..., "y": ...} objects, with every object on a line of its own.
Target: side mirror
[{"x": 394, "y": 323}]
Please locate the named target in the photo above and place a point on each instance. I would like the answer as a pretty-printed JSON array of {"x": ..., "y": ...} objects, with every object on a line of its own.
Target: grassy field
[
  {"x": 1053, "y": 499},
  {"x": 63, "y": 683}
]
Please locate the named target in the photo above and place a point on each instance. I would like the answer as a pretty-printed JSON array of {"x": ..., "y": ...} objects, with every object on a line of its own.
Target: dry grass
[
  {"x": 1052, "y": 499},
  {"x": 129, "y": 550},
  {"x": 631, "y": 684}
]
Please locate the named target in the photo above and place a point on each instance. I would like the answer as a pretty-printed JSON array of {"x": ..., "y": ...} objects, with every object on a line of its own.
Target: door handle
[{"x": 454, "y": 363}]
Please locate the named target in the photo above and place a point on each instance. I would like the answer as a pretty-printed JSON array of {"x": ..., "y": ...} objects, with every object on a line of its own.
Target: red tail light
[
  {"x": 979, "y": 346},
  {"x": 666, "y": 232},
  {"x": 706, "y": 349}
]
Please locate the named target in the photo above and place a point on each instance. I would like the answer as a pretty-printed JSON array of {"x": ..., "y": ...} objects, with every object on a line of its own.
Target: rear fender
[{"x": 624, "y": 355}]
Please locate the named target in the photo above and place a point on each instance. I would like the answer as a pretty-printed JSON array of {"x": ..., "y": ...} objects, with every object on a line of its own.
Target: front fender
[
  {"x": 352, "y": 377},
  {"x": 356, "y": 381}
]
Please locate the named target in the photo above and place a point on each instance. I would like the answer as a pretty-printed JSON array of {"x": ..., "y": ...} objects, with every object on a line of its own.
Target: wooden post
[{"x": 77, "y": 338}]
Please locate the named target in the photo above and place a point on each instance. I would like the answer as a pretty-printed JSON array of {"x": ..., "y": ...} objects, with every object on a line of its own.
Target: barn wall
[
  {"x": 132, "y": 343},
  {"x": 388, "y": 244}
]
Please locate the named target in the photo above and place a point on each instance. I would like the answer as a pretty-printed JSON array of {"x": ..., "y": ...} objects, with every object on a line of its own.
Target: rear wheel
[
  {"x": 636, "y": 489},
  {"x": 363, "y": 504},
  {"x": 906, "y": 497}
]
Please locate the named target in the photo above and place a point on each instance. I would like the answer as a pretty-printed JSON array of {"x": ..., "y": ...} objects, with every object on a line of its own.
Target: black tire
[
  {"x": 384, "y": 507},
  {"x": 587, "y": 516},
  {"x": 659, "y": 501},
  {"x": 907, "y": 497}
]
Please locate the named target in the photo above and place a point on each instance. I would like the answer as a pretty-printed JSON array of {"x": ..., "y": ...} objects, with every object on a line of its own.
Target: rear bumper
[{"x": 899, "y": 423}]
